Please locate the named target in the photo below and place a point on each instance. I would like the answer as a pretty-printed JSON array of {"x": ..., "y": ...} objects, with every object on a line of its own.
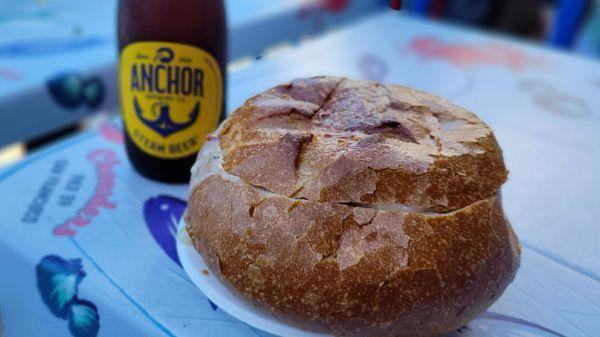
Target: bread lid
[{"x": 340, "y": 140}]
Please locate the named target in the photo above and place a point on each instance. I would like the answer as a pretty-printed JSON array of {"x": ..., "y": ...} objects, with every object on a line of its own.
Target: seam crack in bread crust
[
  {"x": 216, "y": 156},
  {"x": 354, "y": 225},
  {"x": 398, "y": 252}
]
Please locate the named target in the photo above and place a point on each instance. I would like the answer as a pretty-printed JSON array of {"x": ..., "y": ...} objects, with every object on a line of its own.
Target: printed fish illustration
[
  {"x": 162, "y": 214},
  {"x": 468, "y": 55},
  {"x": 48, "y": 46},
  {"x": 372, "y": 67},
  {"x": 72, "y": 90},
  {"x": 555, "y": 100},
  {"x": 58, "y": 282}
]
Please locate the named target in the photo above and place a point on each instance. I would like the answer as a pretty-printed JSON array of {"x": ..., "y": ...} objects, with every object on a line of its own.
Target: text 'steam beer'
[{"x": 172, "y": 81}]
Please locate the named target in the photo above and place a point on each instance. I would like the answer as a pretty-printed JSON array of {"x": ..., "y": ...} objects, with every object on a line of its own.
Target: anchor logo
[{"x": 164, "y": 125}]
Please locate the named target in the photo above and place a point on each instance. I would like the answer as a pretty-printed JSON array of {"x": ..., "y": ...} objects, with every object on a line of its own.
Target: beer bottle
[{"x": 172, "y": 81}]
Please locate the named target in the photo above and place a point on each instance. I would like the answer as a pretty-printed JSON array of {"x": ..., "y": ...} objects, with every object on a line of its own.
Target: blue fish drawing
[
  {"x": 71, "y": 90},
  {"x": 42, "y": 47},
  {"x": 162, "y": 214},
  {"x": 58, "y": 282},
  {"x": 83, "y": 319}
]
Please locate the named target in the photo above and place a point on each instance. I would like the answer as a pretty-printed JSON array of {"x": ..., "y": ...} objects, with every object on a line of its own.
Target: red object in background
[
  {"x": 334, "y": 5},
  {"x": 396, "y": 4},
  {"x": 437, "y": 7},
  {"x": 317, "y": 9}
]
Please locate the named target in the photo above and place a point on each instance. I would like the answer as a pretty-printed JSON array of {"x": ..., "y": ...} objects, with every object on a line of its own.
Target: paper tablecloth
[
  {"x": 87, "y": 244},
  {"x": 78, "y": 210}
]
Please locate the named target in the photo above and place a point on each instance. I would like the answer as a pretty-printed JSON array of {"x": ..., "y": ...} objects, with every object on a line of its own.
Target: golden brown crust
[
  {"x": 334, "y": 139},
  {"x": 355, "y": 208},
  {"x": 353, "y": 270}
]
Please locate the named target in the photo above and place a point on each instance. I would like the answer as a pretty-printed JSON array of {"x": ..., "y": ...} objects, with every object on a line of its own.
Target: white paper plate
[{"x": 193, "y": 264}]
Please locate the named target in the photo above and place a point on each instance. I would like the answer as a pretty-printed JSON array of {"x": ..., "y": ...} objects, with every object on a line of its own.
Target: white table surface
[{"x": 545, "y": 116}]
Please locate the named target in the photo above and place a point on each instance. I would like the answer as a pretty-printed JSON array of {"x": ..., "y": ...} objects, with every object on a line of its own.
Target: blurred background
[
  {"x": 58, "y": 57},
  {"x": 529, "y": 68}
]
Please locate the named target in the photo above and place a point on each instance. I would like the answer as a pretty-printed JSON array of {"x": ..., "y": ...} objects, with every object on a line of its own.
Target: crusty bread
[
  {"x": 355, "y": 208},
  {"x": 334, "y": 139}
]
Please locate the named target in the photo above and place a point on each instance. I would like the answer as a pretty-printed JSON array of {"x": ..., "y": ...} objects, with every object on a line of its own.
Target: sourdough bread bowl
[{"x": 355, "y": 208}]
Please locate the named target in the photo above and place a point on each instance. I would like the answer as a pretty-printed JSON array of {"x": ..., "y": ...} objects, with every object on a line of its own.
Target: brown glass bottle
[{"x": 172, "y": 81}]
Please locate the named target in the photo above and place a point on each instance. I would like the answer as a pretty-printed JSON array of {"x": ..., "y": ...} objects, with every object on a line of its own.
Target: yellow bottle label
[{"x": 171, "y": 97}]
